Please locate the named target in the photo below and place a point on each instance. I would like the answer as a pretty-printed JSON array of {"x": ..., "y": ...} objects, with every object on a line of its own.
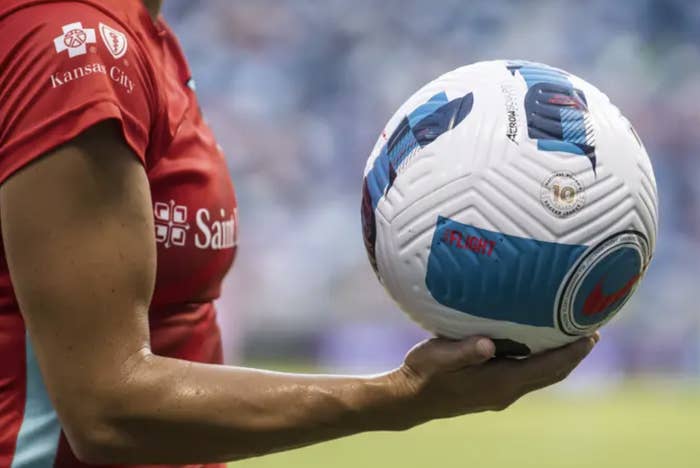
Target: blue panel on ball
[
  {"x": 557, "y": 113},
  {"x": 418, "y": 129},
  {"x": 424, "y": 110},
  {"x": 443, "y": 119},
  {"x": 497, "y": 276}
]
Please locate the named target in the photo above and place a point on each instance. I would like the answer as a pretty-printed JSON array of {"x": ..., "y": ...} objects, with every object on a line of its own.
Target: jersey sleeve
[{"x": 68, "y": 67}]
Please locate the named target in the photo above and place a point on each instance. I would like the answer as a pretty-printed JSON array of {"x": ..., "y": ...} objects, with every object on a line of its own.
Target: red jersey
[{"x": 65, "y": 66}]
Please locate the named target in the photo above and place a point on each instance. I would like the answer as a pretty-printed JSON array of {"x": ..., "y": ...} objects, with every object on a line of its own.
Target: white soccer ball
[{"x": 510, "y": 199}]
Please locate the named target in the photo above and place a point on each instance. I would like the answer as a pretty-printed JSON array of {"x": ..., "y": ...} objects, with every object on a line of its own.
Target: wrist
[{"x": 390, "y": 402}]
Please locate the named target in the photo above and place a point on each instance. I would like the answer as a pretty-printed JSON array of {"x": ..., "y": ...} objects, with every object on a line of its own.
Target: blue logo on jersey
[{"x": 557, "y": 113}]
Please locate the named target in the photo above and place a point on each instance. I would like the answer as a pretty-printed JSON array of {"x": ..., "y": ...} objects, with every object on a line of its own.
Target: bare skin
[
  {"x": 153, "y": 7},
  {"x": 79, "y": 240}
]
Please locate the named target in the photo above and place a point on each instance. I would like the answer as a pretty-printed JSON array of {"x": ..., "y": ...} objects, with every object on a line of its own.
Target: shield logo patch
[{"x": 114, "y": 40}]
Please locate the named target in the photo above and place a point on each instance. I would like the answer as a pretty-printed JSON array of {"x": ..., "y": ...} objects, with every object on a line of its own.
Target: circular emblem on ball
[
  {"x": 601, "y": 282},
  {"x": 562, "y": 194}
]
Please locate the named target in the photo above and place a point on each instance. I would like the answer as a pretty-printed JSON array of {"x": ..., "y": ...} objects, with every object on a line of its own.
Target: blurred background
[{"x": 297, "y": 91}]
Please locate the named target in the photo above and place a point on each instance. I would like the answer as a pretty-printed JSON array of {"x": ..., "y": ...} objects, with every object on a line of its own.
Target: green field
[{"x": 654, "y": 424}]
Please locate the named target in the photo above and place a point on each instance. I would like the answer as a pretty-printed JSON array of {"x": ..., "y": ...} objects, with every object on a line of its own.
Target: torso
[{"x": 194, "y": 213}]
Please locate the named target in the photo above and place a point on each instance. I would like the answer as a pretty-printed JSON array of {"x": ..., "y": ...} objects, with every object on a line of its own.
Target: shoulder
[
  {"x": 62, "y": 30},
  {"x": 130, "y": 12},
  {"x": 67, "y": 65}
]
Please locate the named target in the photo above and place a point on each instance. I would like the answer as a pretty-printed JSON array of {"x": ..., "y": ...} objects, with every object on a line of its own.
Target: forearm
[{"x": 180, "y": 412}]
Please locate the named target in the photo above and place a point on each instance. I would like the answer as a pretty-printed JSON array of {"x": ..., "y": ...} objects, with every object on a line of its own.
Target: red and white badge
[
  {"x": 114, "y": 40},
  {"x": 74, "y": 39}
]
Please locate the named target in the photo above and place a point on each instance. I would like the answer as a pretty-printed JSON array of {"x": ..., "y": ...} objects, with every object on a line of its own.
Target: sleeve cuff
[{"x": 62, "y": 128}]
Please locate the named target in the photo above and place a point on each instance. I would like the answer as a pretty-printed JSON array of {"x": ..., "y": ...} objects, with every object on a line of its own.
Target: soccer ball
[{"x": 513, "y": 200}]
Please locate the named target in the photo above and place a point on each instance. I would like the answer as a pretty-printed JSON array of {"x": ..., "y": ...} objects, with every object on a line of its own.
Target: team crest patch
[
  {"x": 114, "y": 40},
  {"x": 74, "y": 39}
]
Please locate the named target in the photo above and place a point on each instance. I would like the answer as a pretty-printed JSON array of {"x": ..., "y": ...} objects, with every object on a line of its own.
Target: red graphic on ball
[{"x": 597, "y": 301}]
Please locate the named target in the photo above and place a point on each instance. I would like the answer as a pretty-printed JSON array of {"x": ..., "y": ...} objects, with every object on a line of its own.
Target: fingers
[
  {"x": 552, "y": 366},
  {"x": 454, "y": 355}
]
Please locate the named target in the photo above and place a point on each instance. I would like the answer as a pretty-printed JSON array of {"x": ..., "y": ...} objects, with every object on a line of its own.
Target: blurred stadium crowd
[{"x": 297, "y": 91}]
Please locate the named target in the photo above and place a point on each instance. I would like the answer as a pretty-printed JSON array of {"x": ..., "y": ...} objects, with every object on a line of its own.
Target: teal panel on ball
[{"x": 497, "y": 276}]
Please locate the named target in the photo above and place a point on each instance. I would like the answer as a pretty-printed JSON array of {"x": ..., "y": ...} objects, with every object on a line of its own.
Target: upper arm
[
  {"x": 75, "y": 207},
  {"x": 78, "y": 234}
]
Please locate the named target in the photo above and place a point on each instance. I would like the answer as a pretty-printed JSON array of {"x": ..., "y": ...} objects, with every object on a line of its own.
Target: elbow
[
  {"x": 98, "y": 429},
  {"x": 94, "y": 433},
  {"x": 99, "y": 421},
  {"x": 96, "y": 444}
]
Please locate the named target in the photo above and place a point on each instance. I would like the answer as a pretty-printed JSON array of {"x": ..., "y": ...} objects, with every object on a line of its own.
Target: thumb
[{"x": 453, "y": 355}]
